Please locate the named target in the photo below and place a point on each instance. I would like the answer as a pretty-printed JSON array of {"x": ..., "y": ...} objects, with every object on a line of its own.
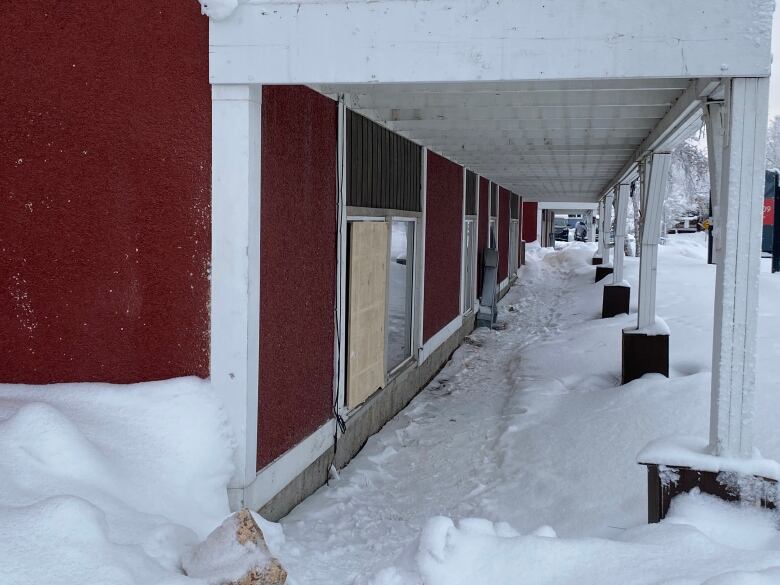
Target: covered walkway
[{"x": 531, "y": 426}]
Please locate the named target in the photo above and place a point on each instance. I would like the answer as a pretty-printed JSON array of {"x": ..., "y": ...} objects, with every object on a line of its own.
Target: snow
[
  {"x": 105, "y": 484},
  {"x": 659, "y": 327},
  {"x": 517, "y": 464},
  {"x": 218, "y": 9},
  {"x": 687, "y": 451}
]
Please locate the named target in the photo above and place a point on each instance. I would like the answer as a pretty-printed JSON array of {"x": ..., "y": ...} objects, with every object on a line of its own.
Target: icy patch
[
  {"x": 105, "y": 484},
  {"x": 693, "y": 452}
]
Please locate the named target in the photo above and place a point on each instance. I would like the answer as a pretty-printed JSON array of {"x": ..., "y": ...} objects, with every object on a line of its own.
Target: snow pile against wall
[
  {"x": 218, "y": 9},
  {"x": 703, "y": 541},
  {"x": 109, "y": 484}
]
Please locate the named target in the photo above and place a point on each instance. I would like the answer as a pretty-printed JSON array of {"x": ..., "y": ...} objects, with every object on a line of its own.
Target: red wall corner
[
  {"x": 297, "y": 274},
  {"x": 105, "y": 192},
  {"x": 529, "y": 221},
  {"x": 443, "y": 235}
]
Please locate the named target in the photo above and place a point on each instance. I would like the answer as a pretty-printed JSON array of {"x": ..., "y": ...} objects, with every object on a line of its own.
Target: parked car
[
  {"x": 580, "y": 231},
  {"x": 561, "y": 229}
]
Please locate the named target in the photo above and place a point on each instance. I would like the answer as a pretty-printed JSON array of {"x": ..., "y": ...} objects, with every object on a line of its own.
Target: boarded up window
[
  {"x": 471, "y": 193},
  {"x": 384, "y": 169},
  {"x": 493, "y": 200},
  {"x": 367, "y": 293}
]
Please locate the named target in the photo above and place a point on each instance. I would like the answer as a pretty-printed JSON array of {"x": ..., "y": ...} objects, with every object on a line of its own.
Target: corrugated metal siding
[
  {"x": 471, "y": 193},
  {"x": 384, "y": 169}
]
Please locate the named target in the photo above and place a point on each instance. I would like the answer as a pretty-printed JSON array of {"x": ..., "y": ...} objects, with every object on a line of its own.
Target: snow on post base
[{"x": 218, "y": 9}]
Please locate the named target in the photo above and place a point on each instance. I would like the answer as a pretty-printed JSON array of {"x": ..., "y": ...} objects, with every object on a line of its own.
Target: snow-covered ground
[
  {"x": 516, "y": 465},
  {"x": 527, "y": 433}
]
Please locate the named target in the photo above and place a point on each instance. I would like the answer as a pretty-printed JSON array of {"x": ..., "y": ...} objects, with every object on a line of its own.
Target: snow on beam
[{"x": 461, "y": 40}]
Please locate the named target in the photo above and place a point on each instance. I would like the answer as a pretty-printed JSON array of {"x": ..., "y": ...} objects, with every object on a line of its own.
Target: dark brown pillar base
[
  {"x": 522, "y": 253},
  {"x": 596, "y": 260},
  {"x": 616, "y": 300},
  {"x": 644, "y": 354},
  {"x": 665, "y": 482},
  {"x": 602, "y": 271}
]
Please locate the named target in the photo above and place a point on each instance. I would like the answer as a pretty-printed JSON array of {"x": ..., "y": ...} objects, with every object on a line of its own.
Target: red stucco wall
[
  {"x": 482, "y": 233},
  {"x": 529, "y": 221},
  {"x": 297, "y": 266},
  {"x": 503, "y": 234},
  {"x": 104, "y": 191},
  {"x": 443, "y": 235}
]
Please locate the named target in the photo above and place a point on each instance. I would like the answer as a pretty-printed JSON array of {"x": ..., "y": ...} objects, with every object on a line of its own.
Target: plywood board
[{"x": 367, "y": 298}]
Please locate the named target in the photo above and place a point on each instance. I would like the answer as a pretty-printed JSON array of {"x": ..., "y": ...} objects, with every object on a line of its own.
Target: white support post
[
  {"x": 235, "y": 268},
  {"x": 623, "y": 192},
  {"x": 737, "y": 274},
  {"x": 591, "y": 228},
  {"x": 656, "y": 173},
  {"x": 600, "y": 224},
  {"x": 713, "y": 121},
  {"x": 607, "y": 224}
]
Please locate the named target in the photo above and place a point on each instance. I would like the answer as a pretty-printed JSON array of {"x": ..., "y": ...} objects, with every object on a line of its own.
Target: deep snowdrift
[{"x": 103, "y": 484}]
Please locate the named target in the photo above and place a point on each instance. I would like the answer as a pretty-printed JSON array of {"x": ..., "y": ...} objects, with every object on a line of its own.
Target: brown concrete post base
[
  {"x": 596, "y": 260},
  {"x": 665, "y": 482},
  {"x": 616, "y": 300},
  {"x": 644, "y": 354},
  {"x": 602, "y": 271}
]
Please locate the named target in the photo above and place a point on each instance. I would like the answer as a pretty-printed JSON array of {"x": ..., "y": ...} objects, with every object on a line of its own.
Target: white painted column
[
  {"x": 736, "y": 284},
  {"x": 600, "y": 224},
  {"x": 713, "y": 121},
  {"x": 656, "y": 173},
  {"x": 591, "y": 228},
  {"x": 623, "y": 192},
  {"x": 607, "y": 224},
  {"x": 235, "y": 267}
]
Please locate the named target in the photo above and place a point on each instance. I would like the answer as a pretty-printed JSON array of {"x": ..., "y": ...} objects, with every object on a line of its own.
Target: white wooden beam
[
  {"x": 656, "y": 174},
  {"x": 600, "y": 249},
  {"x": 737, "y": 274},
  {"x": 623, "y": 193},
  {"x": 235, "y": 267},
  {"x": 713, "y": 120},
  {"x": 516, "y": 112},
  {"x": 527, "y": 125},
  {"x": 462, "y": 40},
  {"x": 608, "y": 200}
]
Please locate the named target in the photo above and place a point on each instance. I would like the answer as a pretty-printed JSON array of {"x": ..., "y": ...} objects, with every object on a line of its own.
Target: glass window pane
[{"x": 399, "y": 308}]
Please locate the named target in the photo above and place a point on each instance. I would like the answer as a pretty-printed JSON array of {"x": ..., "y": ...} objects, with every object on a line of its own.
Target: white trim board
[
  {"x": 437, "y": 340},
  {"x": 275, "y": 476}
]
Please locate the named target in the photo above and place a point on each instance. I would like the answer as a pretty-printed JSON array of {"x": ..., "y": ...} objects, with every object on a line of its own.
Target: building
[{"x": 293, "y": 198}]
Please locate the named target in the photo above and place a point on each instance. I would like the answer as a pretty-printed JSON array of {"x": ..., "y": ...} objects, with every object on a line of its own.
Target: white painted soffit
[{"x": 545, "y": 140}]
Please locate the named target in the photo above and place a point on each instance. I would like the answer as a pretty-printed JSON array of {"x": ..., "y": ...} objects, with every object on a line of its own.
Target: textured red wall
[
  {"x": 443, "y": 235},
  {"x": 297, "y": 266},
  {"x": 105, "y": 163},
  {"x": 503, "y": 234},
  {"x": 529, "y": 221},
  {"x": 482, "y": 232}
]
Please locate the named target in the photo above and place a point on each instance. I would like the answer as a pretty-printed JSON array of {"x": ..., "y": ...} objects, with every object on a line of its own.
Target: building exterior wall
[
  {"x": 105, "y": 174},
  {"x": 482, "y": 231},
  {"x": 443, "y": 228},
  {"x": 529, "y": 221},
  {"x": 503, "y": 234},
  {"x": 297, "y": 266}
]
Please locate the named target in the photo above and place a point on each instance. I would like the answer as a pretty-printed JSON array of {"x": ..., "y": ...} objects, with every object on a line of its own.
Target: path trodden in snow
[{"x": 526, "y": 434}]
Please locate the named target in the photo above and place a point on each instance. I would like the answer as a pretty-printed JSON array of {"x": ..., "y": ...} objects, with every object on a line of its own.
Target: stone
[{"x": 248, "y": 531}]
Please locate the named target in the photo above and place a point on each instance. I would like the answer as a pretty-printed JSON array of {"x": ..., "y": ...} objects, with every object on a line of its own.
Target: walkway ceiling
[{"x": 546, "y": 140}]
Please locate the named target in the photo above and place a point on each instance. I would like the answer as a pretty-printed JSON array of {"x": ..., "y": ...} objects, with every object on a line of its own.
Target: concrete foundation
[
  {"x": 616, "y": 300},
  {"x": 364, "y": 422},
  {"x": 758, "y": 491},
  {"x": 602, "y": 271},
  {"x": 644, "y": 354}
]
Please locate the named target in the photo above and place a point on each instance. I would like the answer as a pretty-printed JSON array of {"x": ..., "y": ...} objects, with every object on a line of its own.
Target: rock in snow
[{"x": 235, "y": 553}]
